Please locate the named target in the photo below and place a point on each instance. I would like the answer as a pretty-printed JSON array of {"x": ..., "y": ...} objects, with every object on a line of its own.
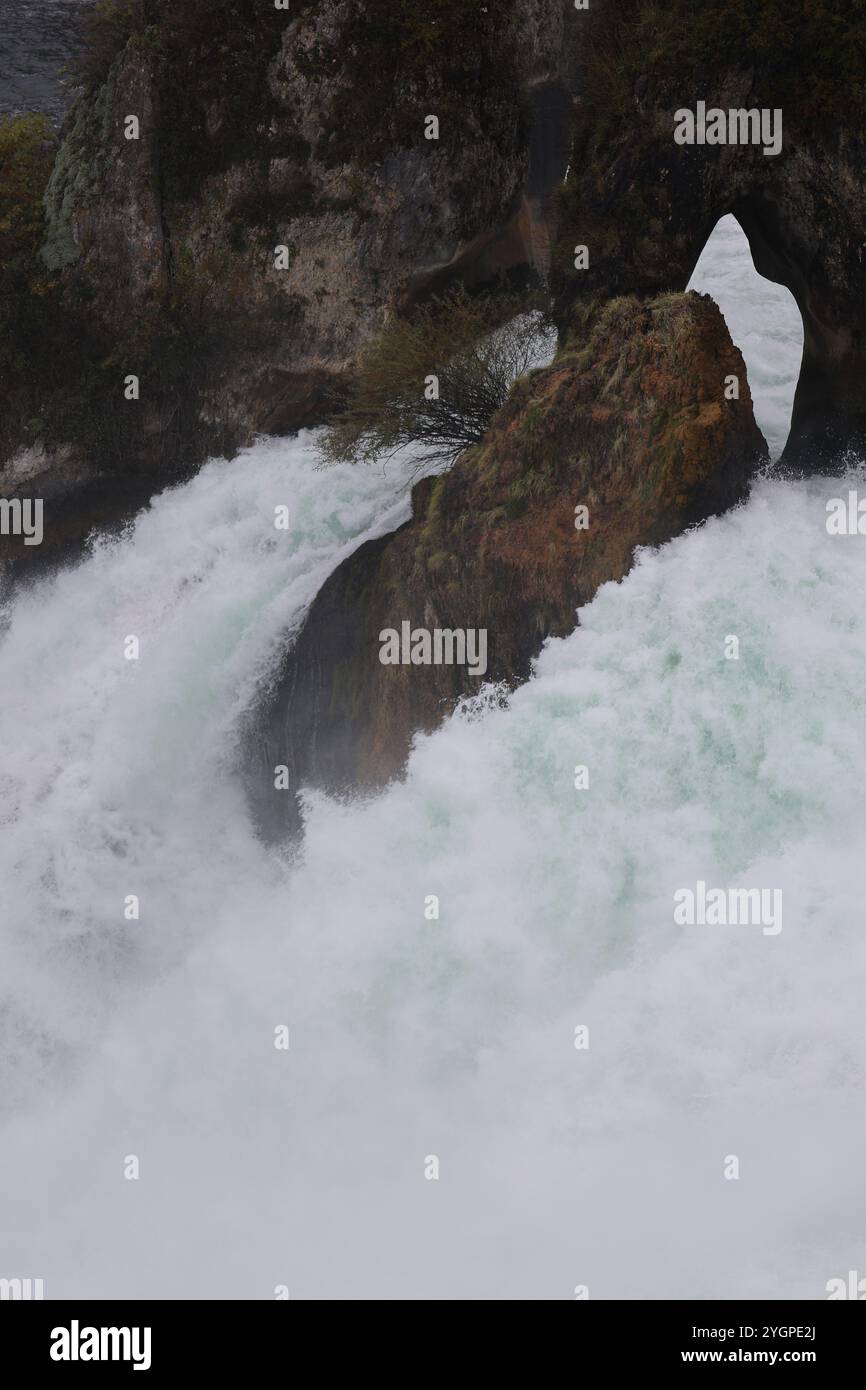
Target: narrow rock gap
[{"x": 764, "y": 322}]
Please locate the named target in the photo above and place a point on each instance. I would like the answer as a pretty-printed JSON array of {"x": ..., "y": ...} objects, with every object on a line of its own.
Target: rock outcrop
[
  {"x": 645, "y": 205},
  {"x": 260, "y": 128},
  {"x": 305, "y": 129},
  {"x": 631, "y": 422}
]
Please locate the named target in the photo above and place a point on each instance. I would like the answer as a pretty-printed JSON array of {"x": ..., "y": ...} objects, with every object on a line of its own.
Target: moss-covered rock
[{"x": 632, "y": 420}]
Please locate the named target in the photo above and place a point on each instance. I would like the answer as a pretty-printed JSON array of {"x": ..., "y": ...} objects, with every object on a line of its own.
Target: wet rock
[{"x": 631, "y": 421}]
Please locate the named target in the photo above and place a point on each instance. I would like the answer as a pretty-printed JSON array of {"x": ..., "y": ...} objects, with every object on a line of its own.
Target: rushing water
[
  {"x": 764, "y": 322},
  {"x": 412, "y": 1038}
]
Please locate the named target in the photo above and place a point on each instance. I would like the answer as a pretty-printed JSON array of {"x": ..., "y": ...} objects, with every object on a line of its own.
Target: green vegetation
[
  {"x": 807, "y": 56},
  {"x": 205, "y": 62},
  {"x": 61, "y": 373},
  {"x": 436, "y": 379},
  {"x": 106, "y": 30},
  {"x": 27, "y": 148},
  {"x": 204, "y": 65}
]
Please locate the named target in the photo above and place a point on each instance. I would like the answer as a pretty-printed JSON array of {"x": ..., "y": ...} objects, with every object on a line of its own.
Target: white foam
[
  {"x": 764, "y": 322},
  {"x": 454, "y": 1038}
]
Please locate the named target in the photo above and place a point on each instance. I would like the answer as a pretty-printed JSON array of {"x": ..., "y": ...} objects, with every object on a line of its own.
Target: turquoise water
[{"x": 414, "y": 1036}]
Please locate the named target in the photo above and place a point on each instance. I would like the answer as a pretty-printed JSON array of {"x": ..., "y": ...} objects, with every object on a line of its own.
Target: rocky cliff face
[
  {"x": 261, "y": 128},
  {"x": 305, "y": 128},
  {"x": 630, "y": 422},
  {"x": 645, "y": 205}
]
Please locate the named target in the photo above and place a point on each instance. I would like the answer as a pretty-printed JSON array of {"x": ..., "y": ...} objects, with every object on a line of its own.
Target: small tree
[
  {"x": 436, "y": 379},
  {"x": 27, "y": 150},
  {"x": 106, "y": 28}
]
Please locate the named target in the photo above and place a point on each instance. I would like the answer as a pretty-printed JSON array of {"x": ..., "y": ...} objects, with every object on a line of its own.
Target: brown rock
[{"x": 630, "y": 420}]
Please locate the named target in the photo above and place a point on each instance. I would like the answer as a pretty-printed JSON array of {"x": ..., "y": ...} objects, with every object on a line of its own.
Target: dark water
[{"x": 37, "y": 39}]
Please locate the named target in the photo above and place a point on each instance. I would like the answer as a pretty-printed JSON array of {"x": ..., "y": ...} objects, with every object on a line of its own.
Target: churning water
[
  {"x": 764, "y": 322},
  {"x": 454, "y": 1037}
]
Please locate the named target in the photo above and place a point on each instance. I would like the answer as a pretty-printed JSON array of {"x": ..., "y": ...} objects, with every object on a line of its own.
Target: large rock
[
  {"x": 645, "y": 205},
  {"x": 306, "y": 129},
  {"x": 631, "y": 421}
]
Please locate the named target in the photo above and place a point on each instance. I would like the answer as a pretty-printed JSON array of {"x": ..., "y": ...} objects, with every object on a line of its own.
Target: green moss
[
  {"x": 178, "y": 345},
  {"x": 531, "y": 484},
  {"x": 27, "y": 149},
  {"x": 434, "y": 506},
  {"x": 76, "y": 177}
]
